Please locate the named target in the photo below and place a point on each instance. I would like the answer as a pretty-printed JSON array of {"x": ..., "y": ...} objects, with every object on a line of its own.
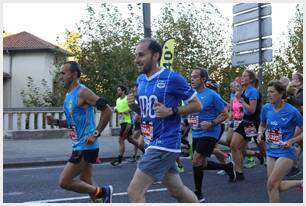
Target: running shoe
[
  {"x": 260, "y": 158},
  {"x": 200, "y": 196},
  {"x": 220, "y": 172},
  {"x": 239, "y": 176},
  {"x": 230, "y": 172},
  {"x": 190, "y": 151},
  {"x": 250, "y": 162},
  {"x": 107, "y": 197},
  {"x": 132, "y": 159},
  {"x": 180, "y": 168},
  {"x": 229, "y": 158},
  {"x": 294, "y": 172},
  {"x": 116, "y": 162}
]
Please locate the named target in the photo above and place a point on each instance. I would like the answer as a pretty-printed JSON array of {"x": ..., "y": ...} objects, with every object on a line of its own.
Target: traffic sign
[
  {"x": 254, "y": 45},
  {"x": 250, "y": 30},
  {"x": 252, "y": 58}
]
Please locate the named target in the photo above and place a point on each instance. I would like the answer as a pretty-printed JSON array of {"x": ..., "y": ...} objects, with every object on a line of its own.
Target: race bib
[
  {"x": 120, "y": 117},
  {"x": 147, "y": 130},
  {"x": 250, "y": 130},
  {"x": 72, "y": 133},
  {"x": 274, "y": 138},
  {"x": 236, "y": 124},
  {"x": 193, "y": 121}
]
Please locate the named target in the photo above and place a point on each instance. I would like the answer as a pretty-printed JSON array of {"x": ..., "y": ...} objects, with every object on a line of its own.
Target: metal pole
[
  {"x": 260, "y": 53},
  {"x": 146, "y": 19}
]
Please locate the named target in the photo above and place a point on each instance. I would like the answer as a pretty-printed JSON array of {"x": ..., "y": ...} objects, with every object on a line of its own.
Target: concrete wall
[
  {"x": 6, "y": 82},
  {"x": 34, "y": 64}
]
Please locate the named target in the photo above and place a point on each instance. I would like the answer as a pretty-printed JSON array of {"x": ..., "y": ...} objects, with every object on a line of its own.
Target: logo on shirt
[
  {"x": 161, "y": 84},
  {"x": 274, "y": 123},
  {"x": 283, "y": 118}
]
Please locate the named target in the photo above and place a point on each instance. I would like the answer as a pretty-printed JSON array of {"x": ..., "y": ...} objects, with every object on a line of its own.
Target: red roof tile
[{"x": 25, "y": 41}]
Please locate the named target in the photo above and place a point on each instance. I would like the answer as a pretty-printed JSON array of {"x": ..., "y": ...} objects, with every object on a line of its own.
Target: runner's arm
[{"x": 88, "y": 97}]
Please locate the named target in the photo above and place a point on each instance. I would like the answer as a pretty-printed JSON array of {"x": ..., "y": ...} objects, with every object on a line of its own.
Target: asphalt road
[{"x": 39, "y": 184}]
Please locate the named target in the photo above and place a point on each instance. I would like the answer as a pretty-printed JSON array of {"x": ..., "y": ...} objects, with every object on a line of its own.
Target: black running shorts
[
  {"x": 204, "y": 145},
  {"x": 90, "y": 156}
]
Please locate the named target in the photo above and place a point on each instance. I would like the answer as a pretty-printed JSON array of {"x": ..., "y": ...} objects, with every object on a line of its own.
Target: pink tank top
[{"x": 237, "y": 109}]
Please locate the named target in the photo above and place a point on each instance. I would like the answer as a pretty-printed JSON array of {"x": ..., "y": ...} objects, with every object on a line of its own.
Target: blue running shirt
[
  {"x": 280, "y": 128},
  {"x": 169, "y": 88},
  {"x": 251, "y": 93},
  {"x": 213, "y": 105},
  {"x": 80, "y": 120}
]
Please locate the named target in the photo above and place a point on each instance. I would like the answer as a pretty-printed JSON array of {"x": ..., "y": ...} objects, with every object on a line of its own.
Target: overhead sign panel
[
  {"x": 242, "y": 7},
  {"x": 265, "y": 11},
  {"x": 245, "y": 6},
  {"x": 252, "y": 58},
  {"x": 250, "y": 30},
  {"x": 252, "y": 45}
]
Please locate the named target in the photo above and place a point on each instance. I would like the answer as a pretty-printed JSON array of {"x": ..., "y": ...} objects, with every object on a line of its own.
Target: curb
[{"x": 47, "y": 163}]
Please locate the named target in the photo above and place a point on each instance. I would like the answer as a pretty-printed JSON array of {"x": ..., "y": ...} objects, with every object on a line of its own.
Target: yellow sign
[{"x": 168, "y": 54}]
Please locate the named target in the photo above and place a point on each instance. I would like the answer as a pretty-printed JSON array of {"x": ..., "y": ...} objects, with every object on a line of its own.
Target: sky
[{"x": 50, "y": 20}]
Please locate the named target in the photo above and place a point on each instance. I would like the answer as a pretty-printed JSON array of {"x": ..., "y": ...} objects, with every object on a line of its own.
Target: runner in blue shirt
[
  {"x": 247, "y": 128},
  {"x": 79, "y": 112},
  {"x": 283, "y": 126},
  {"x": 206, "y": 130},
  {"x": 160, "y": 92}
]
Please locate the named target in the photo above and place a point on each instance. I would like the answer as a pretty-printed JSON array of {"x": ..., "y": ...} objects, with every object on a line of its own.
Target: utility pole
[{"x": 146, "y": 19}]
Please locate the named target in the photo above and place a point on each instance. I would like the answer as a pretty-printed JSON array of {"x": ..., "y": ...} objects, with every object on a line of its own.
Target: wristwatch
[
  {"x": 213, "y": 123},
  {"x": 97, "y": 133},
  {"x": 174, "y": 110}
]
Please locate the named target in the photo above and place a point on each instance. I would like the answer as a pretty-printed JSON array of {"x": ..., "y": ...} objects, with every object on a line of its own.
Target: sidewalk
[
  {"x": 35, "y": 152},
  {"x": 43, "y": 152}
]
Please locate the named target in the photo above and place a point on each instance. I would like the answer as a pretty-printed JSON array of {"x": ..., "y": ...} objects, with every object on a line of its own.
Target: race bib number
[
  {"x": 147, "y": 130},
  {"x": 236, "y": 124},
  {"x": 193, "y": 121},
  {"x": 274, "y": 138},
  {"x": 250, "y": 130},
  {"x": 120, "y": 117},
  {"x": 72, "y": 133}
]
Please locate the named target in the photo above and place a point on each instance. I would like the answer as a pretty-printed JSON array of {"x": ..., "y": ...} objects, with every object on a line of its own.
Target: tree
[
  {"x": 289, "y": 58},
  {"x": 202, "y": 38},
  {"x": 107, "y": 41}
]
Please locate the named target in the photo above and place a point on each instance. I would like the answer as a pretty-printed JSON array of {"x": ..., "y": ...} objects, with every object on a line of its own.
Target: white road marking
[
  {"x": 86, "y": 197},
  {"x": 13, "y": 193}
]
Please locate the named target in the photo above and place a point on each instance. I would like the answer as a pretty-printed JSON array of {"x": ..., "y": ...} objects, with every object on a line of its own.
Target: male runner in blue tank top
[
  {"x": 206, "y": 128},
  {"x": 160, "y": 92},
  {"x": 79, "y": 112}
]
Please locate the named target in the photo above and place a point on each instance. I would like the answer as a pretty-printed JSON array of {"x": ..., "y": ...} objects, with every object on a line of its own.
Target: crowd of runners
[{"x": 165, "y": 117}]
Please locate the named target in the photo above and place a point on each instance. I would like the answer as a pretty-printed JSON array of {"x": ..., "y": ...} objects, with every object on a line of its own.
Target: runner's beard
[{"x": 147, "y": 68}]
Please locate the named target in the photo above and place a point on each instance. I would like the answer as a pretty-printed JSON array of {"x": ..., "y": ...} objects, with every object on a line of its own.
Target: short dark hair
[
  {"x": 279, "y": 87},
  {"x": 74, "y": 67},
  {"x": 154, "y": 46},
  {"x": 123, "y": 88},
  {"x": 203, "y": 73}
]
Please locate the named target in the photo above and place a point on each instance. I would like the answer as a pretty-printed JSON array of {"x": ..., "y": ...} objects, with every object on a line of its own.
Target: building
[{"x": 26, "y": 55}]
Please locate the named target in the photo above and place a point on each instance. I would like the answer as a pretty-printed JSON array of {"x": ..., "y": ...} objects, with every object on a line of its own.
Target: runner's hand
[
  {"x": 91, "y": 139},
  {"x": 206, "y": 125},
  {"x": 131, "y": 99},
  {"x": 161, "y": 111}
]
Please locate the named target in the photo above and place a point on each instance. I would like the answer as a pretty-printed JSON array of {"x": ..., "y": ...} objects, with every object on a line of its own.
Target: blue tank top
[{"x": 80, "y": 120}]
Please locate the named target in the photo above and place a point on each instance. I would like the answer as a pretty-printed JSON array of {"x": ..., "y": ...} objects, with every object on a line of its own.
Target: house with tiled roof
[{"x": 24, "y": 55}]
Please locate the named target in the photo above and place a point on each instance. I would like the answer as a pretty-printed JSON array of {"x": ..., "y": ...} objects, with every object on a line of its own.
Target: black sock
[
  {"x": 198, "y": 177},
  {"x": 120, "y": 158},
  {"x": 215, "y": 166}
]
